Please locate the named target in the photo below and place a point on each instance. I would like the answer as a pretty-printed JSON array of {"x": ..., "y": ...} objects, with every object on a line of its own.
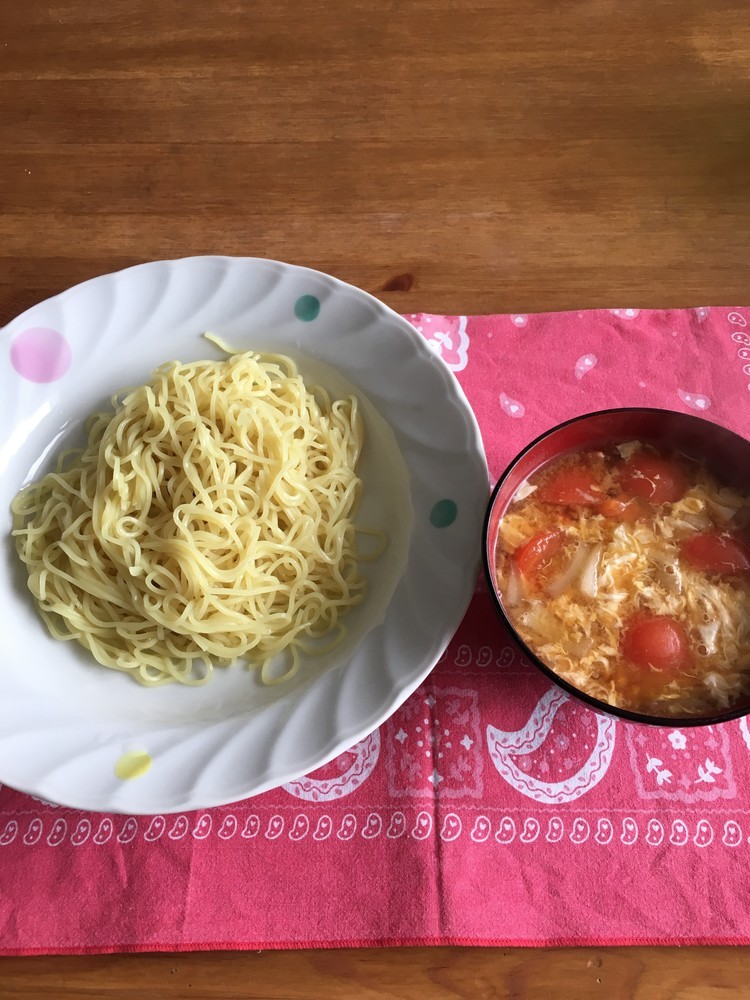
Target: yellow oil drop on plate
[{"x": 133, "y": 764}]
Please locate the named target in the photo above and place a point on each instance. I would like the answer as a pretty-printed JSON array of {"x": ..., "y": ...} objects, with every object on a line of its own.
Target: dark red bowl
[{"x": 727, "y": 455}]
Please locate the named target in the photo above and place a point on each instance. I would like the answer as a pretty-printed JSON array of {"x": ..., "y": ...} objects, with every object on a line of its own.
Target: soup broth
[{"x": 627, "y": 571}]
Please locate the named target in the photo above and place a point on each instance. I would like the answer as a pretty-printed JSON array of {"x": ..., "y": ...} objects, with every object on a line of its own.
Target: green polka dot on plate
[
  {"x": 443, "y": 514},
  {"x": 307, "y": 308}
]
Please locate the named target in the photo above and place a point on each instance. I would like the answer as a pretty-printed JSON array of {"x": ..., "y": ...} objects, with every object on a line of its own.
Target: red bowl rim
[{"x": 599, "y": 706}]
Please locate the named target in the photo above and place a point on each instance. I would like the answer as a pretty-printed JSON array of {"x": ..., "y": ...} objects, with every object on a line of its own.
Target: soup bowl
[{"x": 725, "y": 454}]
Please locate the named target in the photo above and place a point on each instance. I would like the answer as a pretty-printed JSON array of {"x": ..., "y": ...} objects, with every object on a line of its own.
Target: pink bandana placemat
[{"x": 491, "y": 808}]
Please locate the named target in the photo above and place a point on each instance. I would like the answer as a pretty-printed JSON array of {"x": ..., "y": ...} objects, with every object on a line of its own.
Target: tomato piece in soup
[
  {"x": 657, "y": 642},
  {"x": 573, "y": 484},
  {"x": 654, "y": 478},
  {"x": 625, "y": 509},
  {"x": 537, "y": 552},
  {"x": 716, "y": 553}
]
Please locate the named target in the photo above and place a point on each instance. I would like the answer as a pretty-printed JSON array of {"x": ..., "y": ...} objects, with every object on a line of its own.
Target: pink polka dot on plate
[{"x": 40, "y": 354}]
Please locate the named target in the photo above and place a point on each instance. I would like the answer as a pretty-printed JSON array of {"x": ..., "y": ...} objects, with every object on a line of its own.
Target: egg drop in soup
[{"x": 627, "y": 571}]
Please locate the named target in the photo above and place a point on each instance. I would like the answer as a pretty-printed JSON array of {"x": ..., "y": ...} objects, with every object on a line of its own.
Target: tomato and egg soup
[{"x": 627, "y": 571}]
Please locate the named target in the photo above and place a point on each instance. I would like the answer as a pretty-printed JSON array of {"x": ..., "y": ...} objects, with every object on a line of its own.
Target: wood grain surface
[
  {"x": 382, "y": 974},
  {"x": 446, "y": 155}
]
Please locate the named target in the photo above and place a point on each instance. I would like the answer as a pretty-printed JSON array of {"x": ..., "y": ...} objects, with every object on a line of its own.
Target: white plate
[{"x": 65, "y": 721}]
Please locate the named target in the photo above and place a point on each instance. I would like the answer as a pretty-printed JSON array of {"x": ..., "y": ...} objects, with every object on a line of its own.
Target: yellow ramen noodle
[{"x": 210, "y": 518}]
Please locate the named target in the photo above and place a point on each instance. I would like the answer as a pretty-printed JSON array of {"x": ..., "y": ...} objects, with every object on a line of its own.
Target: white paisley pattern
[
  {"x": 362, "y": 759},
  {"x": 506, "y": 748},
  {"x": 382, "y": 825}
]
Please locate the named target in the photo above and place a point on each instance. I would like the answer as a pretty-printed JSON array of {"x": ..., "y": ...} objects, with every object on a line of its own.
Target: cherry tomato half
[
  {"x": 571, "y": 485},
  {"x": 654, "y": 478},
  {"x": 716, "y": 553},
  {"x": 656, "y": 641},
  {"x": 535, "y": 553}
]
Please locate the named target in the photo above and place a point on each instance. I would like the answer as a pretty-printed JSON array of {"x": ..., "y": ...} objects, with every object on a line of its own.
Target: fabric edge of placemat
[{"x": 410, "y": 942}]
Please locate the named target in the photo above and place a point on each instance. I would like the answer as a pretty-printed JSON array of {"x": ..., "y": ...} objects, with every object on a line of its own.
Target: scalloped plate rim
[{"x": 342, "y": 740}]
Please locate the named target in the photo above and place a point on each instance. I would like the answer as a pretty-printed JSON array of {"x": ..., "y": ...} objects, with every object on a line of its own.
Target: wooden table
[{"x": 445, "y": 155}]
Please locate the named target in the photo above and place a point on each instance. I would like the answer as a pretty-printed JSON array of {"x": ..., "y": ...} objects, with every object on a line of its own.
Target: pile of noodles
[{"x": 208, "y": 519}]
